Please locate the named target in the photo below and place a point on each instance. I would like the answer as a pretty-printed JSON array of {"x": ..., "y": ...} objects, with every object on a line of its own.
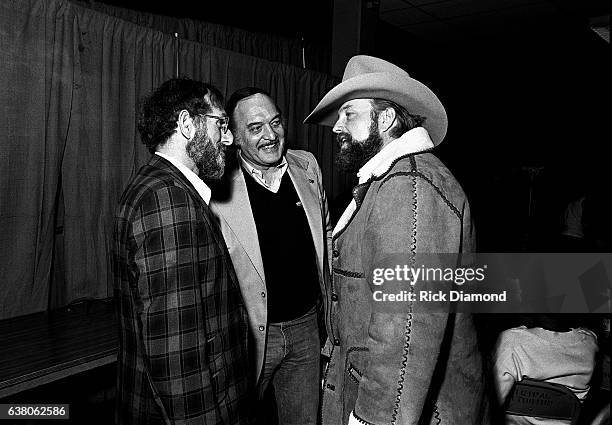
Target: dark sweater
[{"x": 287, "y": 249}]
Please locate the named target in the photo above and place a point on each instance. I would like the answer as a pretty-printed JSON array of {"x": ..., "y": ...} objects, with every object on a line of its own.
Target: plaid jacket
[{"x": 183, "y": 355}]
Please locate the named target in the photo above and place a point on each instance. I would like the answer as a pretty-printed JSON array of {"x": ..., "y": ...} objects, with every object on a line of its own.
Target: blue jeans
[{"x": 291, "y": 363}]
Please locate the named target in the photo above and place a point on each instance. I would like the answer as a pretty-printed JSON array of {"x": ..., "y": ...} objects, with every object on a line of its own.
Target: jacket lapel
[
  {"x": 235, "y": 209},
  {"x": 164, "y": 165},
  {"x": 305, "y": 184},
  {"x": 359, "y": 192}
]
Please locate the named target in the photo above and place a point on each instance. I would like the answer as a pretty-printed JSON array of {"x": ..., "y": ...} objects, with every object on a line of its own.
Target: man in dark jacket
[
  {"x": 396, "y": 360},
  {"x": 182, "y": 357}
]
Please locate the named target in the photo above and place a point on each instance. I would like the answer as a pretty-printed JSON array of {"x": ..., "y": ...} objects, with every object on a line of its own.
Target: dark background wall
[{"x": 525, "y": 85}]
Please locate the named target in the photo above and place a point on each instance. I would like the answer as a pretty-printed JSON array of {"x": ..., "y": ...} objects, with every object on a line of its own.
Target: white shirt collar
[
  {"x": 276, "y": 173},
  {"x": 199, "y": 185},
  {"x": 413, "y": 141}
]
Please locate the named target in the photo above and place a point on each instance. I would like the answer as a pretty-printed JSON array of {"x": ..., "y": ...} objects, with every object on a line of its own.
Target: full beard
[
  {"x": 355, "y": 153},
  {"x": 208, "y": 157}
]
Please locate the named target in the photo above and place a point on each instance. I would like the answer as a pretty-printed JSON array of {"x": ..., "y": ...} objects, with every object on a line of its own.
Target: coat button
[
  {"x": 331, "y": 387},
  {"x": 334, "y": 297},
  {"x": 336, "y": 341},
  {"x": 263, "y": 295},
  {"x": 336, "y": 253},
  {"x": 262, "y": 327}
]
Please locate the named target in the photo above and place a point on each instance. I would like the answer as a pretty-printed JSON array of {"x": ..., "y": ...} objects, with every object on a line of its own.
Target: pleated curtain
[{"x": 72, "y": 80}]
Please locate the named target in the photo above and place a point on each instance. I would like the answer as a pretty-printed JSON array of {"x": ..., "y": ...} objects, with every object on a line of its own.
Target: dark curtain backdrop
[
  {"x": 38, "y": 54},
  {"x": 72, "y": 79},
  {"x": 266, "y": 46},
  {"x": 119, "y": 63}
]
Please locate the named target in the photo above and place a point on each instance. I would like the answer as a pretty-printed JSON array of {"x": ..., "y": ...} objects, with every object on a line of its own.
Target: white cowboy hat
[{"x": 367, "y": 77}]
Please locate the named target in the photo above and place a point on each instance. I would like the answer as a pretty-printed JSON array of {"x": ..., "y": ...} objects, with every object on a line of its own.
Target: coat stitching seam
[
  {"x": 428, "y": 180},
  {"x": 437, "y": 414},
  {"x": 381, "y": 176},
  {"x": 361, "y": 420},
  {"x": 408, "y": 328},
  {"x": 346, "y": 273}
]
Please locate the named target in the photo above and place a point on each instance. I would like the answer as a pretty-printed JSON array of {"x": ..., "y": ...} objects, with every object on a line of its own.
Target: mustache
[
  {"x": 343, "y": 137},
  {"x": 268, "y": 143},
  {"x": 354, "y": 154}
]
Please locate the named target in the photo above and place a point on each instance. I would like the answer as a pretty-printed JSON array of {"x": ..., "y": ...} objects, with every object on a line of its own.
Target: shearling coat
[{"x": 401, "y": 366}]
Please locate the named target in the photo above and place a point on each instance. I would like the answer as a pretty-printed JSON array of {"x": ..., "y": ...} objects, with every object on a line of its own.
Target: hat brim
[{"x": 405, "y": 91}]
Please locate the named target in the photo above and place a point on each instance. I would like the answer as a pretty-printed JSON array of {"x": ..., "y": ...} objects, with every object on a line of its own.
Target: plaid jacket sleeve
[{"x": 189, "y": 315}]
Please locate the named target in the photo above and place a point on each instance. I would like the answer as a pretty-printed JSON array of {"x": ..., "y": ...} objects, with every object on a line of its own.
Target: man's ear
[
  {"x": 186, "y": 126},
  {"x": 386, "y": 119},
  {"x": 237, "y": 140}
]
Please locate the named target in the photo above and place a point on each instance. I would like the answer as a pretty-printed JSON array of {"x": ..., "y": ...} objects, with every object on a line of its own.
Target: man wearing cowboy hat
[{"x": 395, "y": 362}]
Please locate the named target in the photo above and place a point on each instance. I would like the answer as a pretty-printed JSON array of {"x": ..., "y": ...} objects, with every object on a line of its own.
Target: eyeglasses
[{"x": 222, "y": 122}]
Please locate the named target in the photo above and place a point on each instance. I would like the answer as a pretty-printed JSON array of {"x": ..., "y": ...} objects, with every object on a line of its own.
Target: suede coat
[{"x": 401, "y": 365}]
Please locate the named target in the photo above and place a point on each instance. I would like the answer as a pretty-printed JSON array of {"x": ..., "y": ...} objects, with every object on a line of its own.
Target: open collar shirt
[
  {"x": 275, "y": 174},
  {"x": 199, "y": 185}
]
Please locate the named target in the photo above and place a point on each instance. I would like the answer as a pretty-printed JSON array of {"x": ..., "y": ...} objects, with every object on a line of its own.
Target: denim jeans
[{"x": 291, "y": 364}]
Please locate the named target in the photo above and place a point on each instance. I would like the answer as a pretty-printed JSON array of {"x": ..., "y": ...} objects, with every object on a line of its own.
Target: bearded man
[
  {"x": 395, "y": 362},
  {"x": 183, "y": 355}
]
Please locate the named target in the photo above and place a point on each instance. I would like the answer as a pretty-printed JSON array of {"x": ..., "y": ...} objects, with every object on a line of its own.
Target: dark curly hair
[{"x": 159, "y": 112}]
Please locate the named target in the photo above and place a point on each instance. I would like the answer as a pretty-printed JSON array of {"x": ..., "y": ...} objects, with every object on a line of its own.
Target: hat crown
[
  {"x": 363, "y": 64},
  {"x": 367, "y": 77}
]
